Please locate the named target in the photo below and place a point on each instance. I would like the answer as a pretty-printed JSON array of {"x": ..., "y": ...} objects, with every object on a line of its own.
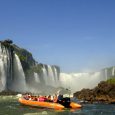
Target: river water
[{"x": 9, "y": 105}]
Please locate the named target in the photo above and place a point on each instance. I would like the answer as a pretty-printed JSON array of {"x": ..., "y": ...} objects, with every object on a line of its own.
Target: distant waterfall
[
  {"x": 106, "y": 74},
  {"x": 78, "y": 81},
  {"x": 36, "y": 76},
  {"x": 56, "y": 77},
  {"x": 113, "y": 71},
  {"x": 45, "y": 75},
  {"x": 50, "y": 76},
  {"x": 19, "y": 79}
]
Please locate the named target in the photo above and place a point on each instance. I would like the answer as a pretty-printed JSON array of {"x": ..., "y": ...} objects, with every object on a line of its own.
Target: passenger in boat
[
  {"x": 35, "y": 98},
  {"x": 49, "y": 99},
  {"x": 45, "y": 98},
  {"x": 26, "y": 96},
  {"x": 55, "y": 98},
  {"x": 32, "y": 98},
  {"x": 41, "y": 98},
  {"x": 52, "y": 98},
  {"x": 38, "y": 98},
  {"x": 60, "y": 98}
]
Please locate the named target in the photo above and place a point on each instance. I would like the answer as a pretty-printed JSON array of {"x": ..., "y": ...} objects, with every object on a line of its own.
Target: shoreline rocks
[{"x": 104, "y": 93}]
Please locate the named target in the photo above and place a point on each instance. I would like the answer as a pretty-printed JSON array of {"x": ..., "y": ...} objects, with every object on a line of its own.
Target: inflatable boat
[{"x": 48, "y": 104}]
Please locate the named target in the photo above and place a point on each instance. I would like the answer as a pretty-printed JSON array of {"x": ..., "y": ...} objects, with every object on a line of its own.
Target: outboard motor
[{"x": 65, "y": 102}]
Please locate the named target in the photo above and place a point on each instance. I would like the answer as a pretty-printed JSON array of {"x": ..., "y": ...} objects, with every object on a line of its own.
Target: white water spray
[
  {"x": 78, "y": 81},
  {"x": 3, "y": 66},
  {"x": 45, "y": 76},
  {"x": 113, "y": 71},
  {"x": 19, "y": 79},
  {"x": 36, "y": 76},
  {"x": 51, "y": 76}
]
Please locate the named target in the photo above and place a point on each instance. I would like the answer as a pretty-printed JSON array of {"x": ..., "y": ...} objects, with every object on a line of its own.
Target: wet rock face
[{"x": 104, "y": 92}]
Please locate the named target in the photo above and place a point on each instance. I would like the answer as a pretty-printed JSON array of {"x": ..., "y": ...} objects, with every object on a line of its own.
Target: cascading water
[
  {"x": 50, "y": 76},
  {"x": 56, "y": 77},
  {"x": 78, "y": 81},
  {"x": 74, "y": 81},
  {"x": 113, "y": 71},
  {"x": 19, "y": 79},
  {"x": 36, "y": 76},
  {"x": 2, "y": 69},
  {"x": 105, "y": 74},
  {"x": 12, "y": 76},
  {"x": 45, "y": 76},
  {"x": 5, "y": 67}
]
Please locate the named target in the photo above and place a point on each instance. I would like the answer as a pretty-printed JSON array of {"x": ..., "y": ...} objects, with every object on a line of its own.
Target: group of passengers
[{"x": 48, "y": 98}]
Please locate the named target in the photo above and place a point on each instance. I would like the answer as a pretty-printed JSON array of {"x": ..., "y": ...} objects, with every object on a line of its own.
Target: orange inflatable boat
[{"x": 47, "y": 104}]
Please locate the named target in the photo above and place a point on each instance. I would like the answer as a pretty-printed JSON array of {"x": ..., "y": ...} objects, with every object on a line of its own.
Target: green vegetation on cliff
[
  {"x": 111, "y": 81},
  {"x": 29, "y": 65},
  {"x": 25, "y": 57}
]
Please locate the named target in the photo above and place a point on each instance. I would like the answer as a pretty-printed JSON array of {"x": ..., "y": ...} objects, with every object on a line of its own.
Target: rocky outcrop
[{"x": 104, "y": 92}]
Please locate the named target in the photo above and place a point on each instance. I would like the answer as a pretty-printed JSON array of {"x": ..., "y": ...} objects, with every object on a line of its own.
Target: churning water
[{"x": 9, "y": 105}]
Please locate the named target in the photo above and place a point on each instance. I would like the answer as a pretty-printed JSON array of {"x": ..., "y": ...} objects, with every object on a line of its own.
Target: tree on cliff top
[{"x": 8, "y": 41}]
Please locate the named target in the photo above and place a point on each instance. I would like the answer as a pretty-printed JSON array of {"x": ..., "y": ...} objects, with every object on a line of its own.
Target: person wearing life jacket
[
  {"x": 41, "y": 98},
  {"x": 60, "y": 98}
]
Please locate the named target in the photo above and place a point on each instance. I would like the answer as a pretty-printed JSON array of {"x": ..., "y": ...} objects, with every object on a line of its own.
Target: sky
[{"x": 76, "y": 35}]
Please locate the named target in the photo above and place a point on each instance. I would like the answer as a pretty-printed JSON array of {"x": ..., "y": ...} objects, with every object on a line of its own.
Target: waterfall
[
  {"x": 5, "y": 67},
  {"x": 12, "y": 76},
  {"x": 51, "y": 76},
  {"x": 106, "y": 74},
  {"x": 36, "y": 76},
  {"x": 45, "y": 76},
  {"x": 19, "y": 79},
  {"x": 113, "y": 71},
  {"x": 78, "y": 81},
  {"x": 2, "y": 74},
  {"x": 56, "y": 77}
]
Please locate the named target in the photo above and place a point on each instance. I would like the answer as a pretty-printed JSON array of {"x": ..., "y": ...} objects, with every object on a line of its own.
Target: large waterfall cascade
[
  {"x": 11, "y": 72},
  {"x": 3, "y": 62},
  {"x": 12, "y": 76}
]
